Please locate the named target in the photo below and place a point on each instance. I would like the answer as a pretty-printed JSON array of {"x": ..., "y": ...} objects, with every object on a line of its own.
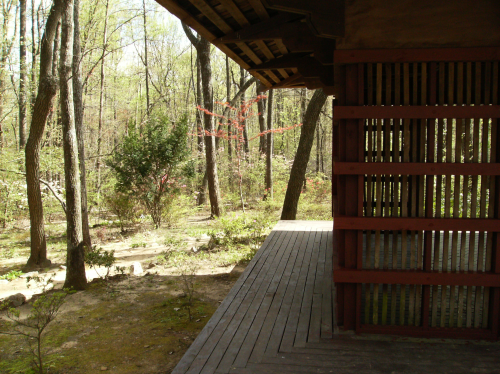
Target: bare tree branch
[
  {"x": 63, "y": 205},
  {"x": 192, "y": 38}
]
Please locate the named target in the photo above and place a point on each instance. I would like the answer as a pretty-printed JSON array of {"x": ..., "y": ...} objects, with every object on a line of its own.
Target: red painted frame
[{"x": 348, "y": 190}]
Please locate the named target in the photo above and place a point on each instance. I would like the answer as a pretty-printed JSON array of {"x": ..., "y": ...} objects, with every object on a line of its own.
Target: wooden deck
[{"x": 278, "y": 318}]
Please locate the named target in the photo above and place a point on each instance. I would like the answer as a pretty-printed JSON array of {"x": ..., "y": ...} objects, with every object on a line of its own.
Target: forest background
[{"x": 136, "y": 61}]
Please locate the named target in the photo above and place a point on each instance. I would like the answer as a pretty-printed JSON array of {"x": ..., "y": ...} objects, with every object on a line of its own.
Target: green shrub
[
  {"x": 146, "y": 164},
  {"x": 97, "y": 257}
]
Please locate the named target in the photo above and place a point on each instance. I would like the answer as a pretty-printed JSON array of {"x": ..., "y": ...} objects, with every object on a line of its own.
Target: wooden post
[{"x": 352, "y": 144}]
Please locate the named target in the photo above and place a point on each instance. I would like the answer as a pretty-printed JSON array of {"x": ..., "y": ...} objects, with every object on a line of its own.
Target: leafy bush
[
  {"x": 97, "y": 257},
  {"x": 123, "y": 206},
  {"x": 146, "y": 163}
]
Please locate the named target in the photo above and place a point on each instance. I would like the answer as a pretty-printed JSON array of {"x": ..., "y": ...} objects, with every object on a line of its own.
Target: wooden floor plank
[
  {"x": 282, "y": 317},
  {"x": 255, "y": 264},
  {"x": 247, "y": 348},
  {"x": 277, "y": 300},
  {"x": 275, "y": 256},
  {"x": 251, "y": 298},
  {"x": 327, "y": 304},
  {"x": 305, "y": 310},
  {"x": 247, "y": 323},
  {"x": 293, "y": 320}
]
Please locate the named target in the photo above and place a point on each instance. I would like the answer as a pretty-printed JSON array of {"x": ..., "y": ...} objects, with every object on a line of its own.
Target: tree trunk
[
  {"x": 228, "y": 99},
  {"x": 298, "y": 172},
  {"x": 75, "y": 266},
  {"x": 318, "y": 147},
  {"x": 199, "y": 124},
  {"x": 101, "y": 102},
  {"x": 78, "y": 104},
  {"x": 33, "y": 57},
  {"x": 146, "y": 66},
  {"x": 210, "y": 149},
  {"x": 244, "y": 123},
  {"x": 22, "y": 74},
  {"x": 6, "y": 46},
  {"x": 55, "y": 50},
  {"x": 270, "y": 146},
  {"x": 261, "y": 107},
  {"x": 47, "y": 89}
]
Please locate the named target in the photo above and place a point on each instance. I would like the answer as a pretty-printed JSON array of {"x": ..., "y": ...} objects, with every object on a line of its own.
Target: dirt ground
[{"x": 132, "y": 323}]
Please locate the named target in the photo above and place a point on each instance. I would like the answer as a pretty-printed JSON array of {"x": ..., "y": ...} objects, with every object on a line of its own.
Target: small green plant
[
  {"x": 97, "y": 257},
  {"x": 138, "y": 245},
  {"x": 33, "y": 328},
  {"x": 11, "y": 275},
  {"x": 186, "y": 268}
]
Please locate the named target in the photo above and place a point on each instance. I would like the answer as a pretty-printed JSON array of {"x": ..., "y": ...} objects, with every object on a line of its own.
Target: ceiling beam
[
  {"x": 288, "y": 61},
  {"x": 236, "y": 13},
  {"x": 261, "y": 11},
  {"x": 326, "y": 17},
  {"x": 273, "y": 28}
]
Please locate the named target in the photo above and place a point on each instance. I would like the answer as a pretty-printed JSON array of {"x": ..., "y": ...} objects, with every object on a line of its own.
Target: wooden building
[{"x": 416, "y": 189}]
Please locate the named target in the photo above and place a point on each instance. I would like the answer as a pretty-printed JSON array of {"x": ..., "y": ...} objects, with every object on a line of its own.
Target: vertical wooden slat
[
  {"x": 467, "y": 192},
  {"x": 421, "y": 191},
  {"x": 404, "y": 188},
  {"x": 378, "y": 187},
  {"x": 482, "y": 204},
  {"x": 369, "y": 198},
  {"x": 429, "y": 202},
  {"x": 396, "y": 186},
  {"x": 456, "y": 210},
  {"x": 473, "y": 206},
  {"x": 439, "y": 183},
  {"x": 387, "y": 187}
]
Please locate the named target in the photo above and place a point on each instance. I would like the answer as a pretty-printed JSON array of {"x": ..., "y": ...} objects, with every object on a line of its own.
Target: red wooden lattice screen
[{"x": 416, "y": 192}]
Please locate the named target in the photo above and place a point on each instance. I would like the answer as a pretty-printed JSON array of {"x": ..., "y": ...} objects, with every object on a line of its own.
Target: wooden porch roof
[{"x": 283, "y": 43}]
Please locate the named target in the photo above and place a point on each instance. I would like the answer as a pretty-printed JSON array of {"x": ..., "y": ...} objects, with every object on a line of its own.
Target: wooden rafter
[
  {"x": 236, "y": 13},
  {"x": 326, "y": 17},
  {"x": 273, "y": 28}
]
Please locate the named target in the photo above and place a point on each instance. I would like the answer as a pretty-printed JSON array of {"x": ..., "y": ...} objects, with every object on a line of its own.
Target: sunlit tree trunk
[
  {"x": 47, "y": 89},
  {"x": 75, "y": 266},
  {"x": 78, "y": 104},
  {"x": 101, "y": 100},
  {"x": 203, "y": 48},
  {"x": 270, "y": 146},
  {"x": 146, "y": 64},
  {"x": 261, "y": 107},
  {"x": 243, "y": 99},
  {"x": 22, "y": 74},
  {"x": 299, "y": 167}
]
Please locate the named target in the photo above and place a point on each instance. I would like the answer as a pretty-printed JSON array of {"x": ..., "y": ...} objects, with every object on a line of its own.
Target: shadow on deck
[{"x": 278, "y": 318}]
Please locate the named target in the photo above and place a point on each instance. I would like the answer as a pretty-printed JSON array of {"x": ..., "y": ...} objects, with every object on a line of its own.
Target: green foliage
[
  {"x": 123, "y": 206},
  {"x": 44, "y": 310},
  {"x": 97, "y": 257},
  {"x": 146, "y": 163},
  {"x": 11, "y": 275},
  {"x": 234, "y": 229}
]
